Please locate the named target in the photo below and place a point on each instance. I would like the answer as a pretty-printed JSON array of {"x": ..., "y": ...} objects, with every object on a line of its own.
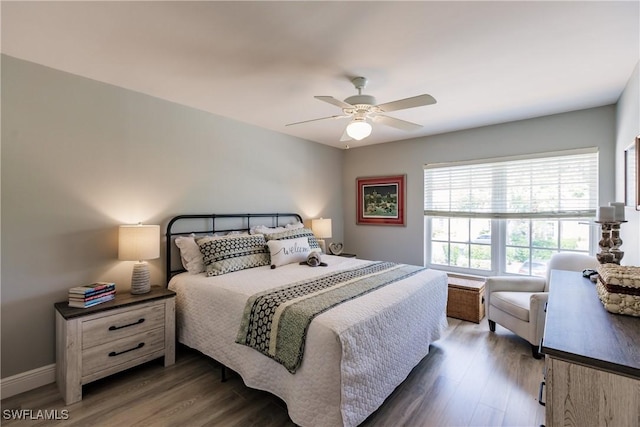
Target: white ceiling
[{"x": 262, "y": 62}]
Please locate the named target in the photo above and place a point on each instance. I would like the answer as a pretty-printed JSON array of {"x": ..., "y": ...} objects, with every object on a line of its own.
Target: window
[{"x": 509, "y": 215}]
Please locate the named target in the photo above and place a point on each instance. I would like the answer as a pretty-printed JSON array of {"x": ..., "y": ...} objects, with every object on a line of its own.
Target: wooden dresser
[
  {"x": 592, "y": 358},
  {"x": 92, "y": 343}
]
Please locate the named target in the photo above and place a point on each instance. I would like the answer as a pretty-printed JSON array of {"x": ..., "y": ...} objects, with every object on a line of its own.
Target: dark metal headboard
[{"x": 203, "y": 224}]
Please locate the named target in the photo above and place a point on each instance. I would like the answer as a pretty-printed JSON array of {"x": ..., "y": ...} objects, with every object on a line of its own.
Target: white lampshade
[
  {"x": 359, "y": 129},
  {"x": 139, "y": 243},
  {"x": 321, "y": 227}
]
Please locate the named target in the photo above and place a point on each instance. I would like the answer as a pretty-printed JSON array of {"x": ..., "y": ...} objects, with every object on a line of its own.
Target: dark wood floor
[{"x": 471, "y": 378}]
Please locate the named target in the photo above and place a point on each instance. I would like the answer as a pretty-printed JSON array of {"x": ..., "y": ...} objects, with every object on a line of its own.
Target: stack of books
[{"x": 90, "y": 295}]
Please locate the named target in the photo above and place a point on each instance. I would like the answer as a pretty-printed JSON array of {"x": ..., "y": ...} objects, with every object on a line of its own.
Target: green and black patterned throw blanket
[{"x": 275, "y": 322}]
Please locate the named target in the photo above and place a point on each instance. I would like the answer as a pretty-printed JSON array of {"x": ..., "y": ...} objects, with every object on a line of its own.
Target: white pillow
[
  {"x": 288, "y": 251},
  {"x": 190, "y": 254},
  {"x": 263, "y": 229},
  {"x": 294, "y": 226}
]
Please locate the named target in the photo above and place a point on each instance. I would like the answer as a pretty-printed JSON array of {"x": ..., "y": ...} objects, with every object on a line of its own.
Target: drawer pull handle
[
  {"x": 540, "y": 393},
  {"x": 115, "y": 353},
  {"x": 115, "y": 328}
]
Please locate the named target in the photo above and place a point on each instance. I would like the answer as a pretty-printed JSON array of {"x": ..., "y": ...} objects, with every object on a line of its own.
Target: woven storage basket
[
  {"x": 619, "y": 289},
  {"x": 466, "y": 300}
]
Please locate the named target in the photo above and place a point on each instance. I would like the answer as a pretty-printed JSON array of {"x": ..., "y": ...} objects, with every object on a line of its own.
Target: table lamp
[
  {"x": 322, "y": 229},
  {"x": 139, "y": 243}
]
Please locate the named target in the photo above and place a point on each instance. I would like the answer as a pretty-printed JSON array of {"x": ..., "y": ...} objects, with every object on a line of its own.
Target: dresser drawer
[
  {"x": 122, "y": 324},
  {"x": 111, "y": 354}
]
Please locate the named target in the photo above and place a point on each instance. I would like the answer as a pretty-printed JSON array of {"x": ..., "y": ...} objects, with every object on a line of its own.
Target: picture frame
[
  {"x": 631, "y": 175},
  {"x": 381, "y": 200}
]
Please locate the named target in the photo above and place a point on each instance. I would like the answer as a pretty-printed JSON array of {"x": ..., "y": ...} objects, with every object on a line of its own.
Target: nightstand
[
  {"x": 347, "y": 255},
  {"x": 95, "y": 342}
]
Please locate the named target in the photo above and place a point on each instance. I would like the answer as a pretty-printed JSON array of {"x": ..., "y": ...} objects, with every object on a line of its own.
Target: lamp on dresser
[
  {"x": 139, "y": 243},
  {"x": 322, "y": 229}
]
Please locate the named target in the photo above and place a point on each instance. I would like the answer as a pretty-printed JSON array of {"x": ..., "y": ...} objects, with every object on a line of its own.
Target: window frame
[{"x": 499, "y": 223}]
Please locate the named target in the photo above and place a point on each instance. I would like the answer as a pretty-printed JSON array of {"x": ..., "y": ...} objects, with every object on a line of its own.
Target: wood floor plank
[
  {"x": 480, "y": 372},
  {"x": 486, "y": 416},
  {"x": 505, "y": 351},
  {"x": 524, "y": 395},
  {"x": 471, "y": 377}
]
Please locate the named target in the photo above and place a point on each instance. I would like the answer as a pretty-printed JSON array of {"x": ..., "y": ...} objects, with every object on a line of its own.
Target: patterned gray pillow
[
  {"x": 294, "y": 234},
  {"x": 233, "y": 253}
]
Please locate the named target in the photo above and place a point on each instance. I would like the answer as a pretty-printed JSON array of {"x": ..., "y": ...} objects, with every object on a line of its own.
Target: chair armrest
[
  {"x": 510, "y": 284},
  {"x": 515, "y": 284},
  {"x": 537, "y": 314}
]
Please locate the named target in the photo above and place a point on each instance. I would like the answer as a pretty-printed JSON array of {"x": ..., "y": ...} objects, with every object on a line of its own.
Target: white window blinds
[{"x": 560, "y": 184}]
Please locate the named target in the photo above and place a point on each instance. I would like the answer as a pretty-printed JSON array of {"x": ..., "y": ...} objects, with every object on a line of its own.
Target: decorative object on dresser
[
  {"x": 591, "y": 358},
  {"x": 98, "y": 341},
  {"x": 322, "y": 229},
  {"x": 466, "y": 299},
  {"x": 90, "y": 295},
  {"x": 619, "y": 289},
  {"x": 518, "y": 302},
  {"x": 381, "y": 200},
  {"x": 139, "y": 243},
  {"x": 610, "y": 218},
  {"x": 336, "y": 248}
]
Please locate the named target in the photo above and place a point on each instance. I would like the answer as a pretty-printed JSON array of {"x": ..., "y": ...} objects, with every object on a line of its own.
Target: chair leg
[
  {"x": 535, "y": 353},
  {"x": 492, "y": 326}
]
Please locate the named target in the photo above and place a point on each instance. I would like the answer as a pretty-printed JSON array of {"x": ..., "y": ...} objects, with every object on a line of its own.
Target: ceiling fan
[{"x": 363, "y": 110}]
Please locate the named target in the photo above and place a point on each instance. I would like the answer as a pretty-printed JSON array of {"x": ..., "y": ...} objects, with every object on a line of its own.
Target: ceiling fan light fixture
[
  {"x": 359, "y": 129},
  {"x": 364, "y": 109}
]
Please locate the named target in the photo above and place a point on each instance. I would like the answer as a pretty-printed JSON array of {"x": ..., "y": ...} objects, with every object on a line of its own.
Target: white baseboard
[{"x": 26, "y": 381}]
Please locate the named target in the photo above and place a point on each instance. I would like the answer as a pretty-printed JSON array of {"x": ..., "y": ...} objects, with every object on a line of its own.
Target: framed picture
[
  {"x": 631, "y": 176},
  {"x": 381, "y": 200}
]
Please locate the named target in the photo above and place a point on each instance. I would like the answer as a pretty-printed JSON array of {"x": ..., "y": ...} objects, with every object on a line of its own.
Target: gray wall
[
  {"x": 586, "y": 128},
  {"x": 81, "y": 157},
  {"x": 627, "y": 128}
]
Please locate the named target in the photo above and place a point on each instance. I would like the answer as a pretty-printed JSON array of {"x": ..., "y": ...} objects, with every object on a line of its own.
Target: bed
[{"x": 355, "y": 353}]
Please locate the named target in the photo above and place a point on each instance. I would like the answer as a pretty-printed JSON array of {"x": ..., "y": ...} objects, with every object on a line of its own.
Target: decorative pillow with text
[
  {"x": 294, "y": 234},
  {"x": 288, "y": 251}
]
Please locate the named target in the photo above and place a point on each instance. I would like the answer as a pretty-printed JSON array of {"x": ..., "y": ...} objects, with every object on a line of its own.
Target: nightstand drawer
[
  {"x": 106, "y": 356},
  {"x": 95, "y": 342},
  {"x": 119, "y": 325}
]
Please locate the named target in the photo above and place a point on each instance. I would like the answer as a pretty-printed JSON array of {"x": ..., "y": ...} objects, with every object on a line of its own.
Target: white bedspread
[{"x": 356, "y": 353}]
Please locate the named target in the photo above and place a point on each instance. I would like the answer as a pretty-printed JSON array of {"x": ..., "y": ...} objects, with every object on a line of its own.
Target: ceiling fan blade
[
  {"x": 402, "y": 104},
  {"x": 396, "y": 123},
  {"x": 334, "y": 101},
  {"x": 345, "y": 136},
  {"x": 315, "y": 120}
]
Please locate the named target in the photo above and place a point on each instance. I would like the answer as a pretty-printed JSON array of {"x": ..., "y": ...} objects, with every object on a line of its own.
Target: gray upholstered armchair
[{"x": 518, "y": 303}]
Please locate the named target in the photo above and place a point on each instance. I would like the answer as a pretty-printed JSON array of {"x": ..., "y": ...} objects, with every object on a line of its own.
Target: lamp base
[
  {"x": 323, "y": 246},
  {"x": 140, "y": 279}
]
